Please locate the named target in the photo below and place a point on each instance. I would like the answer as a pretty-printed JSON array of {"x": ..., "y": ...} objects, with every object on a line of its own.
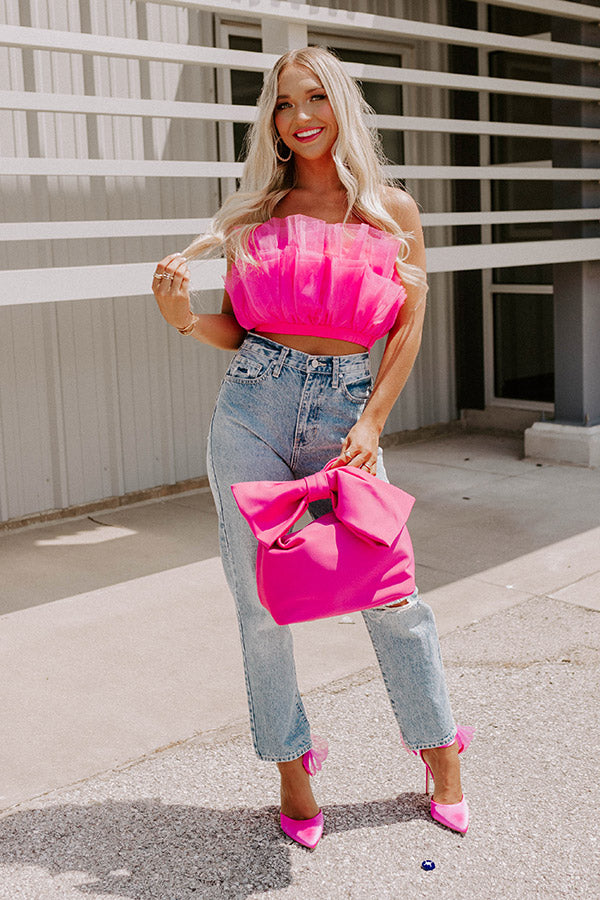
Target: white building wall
[
  {"x": 100, "y": 397},
  {"x": 429, "y": 396}
]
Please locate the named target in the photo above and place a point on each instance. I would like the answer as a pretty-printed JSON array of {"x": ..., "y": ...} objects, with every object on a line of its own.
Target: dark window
[
  {"x": 522, "y": 322},
  {"x": 245, "y": 87},
  {"x": 534, "y": 194},
  {"x": 524, "y": 347},
  {"x": 517, "y": 21}
]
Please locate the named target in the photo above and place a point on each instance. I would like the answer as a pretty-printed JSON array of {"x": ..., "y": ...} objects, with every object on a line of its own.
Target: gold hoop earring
[{"x": 282, "y": 158}]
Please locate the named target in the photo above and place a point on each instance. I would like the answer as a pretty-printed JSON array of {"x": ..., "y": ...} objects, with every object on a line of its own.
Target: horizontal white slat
[
  {"x": 125, "y": 106},
  {"x": 327, "y": 19},
  {"x": 451, "y": 81},
  {"x": 505, "y": 217},
  {"x": 111, "y": 228},
  {"x": 504, "y": 172},
  {"x": 222, "y": 112},
  {"x": 133, "y": 279},
  {"x": 55, "y": 284},
  {"x": 147, "y": 168},
  {"x": 474, "y": 126},
  {"x": 522, "y": 288},
  {"x": 133, "y": 48},
  {"x": 522, "y": 253},
  {"x": 562, "y": 8},
  {"x": 150, "y": 168}
]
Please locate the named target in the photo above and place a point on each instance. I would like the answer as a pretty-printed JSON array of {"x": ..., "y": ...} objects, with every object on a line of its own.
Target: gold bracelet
[{"x": 189, "y": 328}]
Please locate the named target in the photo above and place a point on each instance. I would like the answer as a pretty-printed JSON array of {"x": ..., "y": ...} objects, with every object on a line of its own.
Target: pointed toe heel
[
  {"x": 308, "y": 832},
  {"x": 304, "y": 831},
  {"x": 452, "y": 815}
]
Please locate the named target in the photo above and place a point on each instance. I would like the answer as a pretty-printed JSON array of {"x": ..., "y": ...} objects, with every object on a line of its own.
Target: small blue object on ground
[{"x": 428, "y": 865}]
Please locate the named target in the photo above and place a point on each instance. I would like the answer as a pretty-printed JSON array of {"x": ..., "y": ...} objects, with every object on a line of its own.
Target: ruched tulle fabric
[{"x": 313, "y": 277}]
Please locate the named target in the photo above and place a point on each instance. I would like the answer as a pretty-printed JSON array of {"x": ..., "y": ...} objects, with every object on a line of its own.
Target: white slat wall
[
  {"x": 98, "y": 397},
  {"x": 429, "y": 395}
]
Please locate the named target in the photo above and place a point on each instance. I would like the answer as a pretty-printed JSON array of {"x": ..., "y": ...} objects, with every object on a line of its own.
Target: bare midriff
[{"x": 315, "y": 346}]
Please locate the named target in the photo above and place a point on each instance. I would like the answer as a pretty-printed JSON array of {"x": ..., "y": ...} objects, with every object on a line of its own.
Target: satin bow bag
[{"x": 356, "y": 557}]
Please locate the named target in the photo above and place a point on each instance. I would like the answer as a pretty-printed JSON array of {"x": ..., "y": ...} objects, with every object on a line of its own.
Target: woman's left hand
[{"x": 359, "y": 448}]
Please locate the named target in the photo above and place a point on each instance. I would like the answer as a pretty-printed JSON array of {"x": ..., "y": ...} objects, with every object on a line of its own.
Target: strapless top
[{"x": 317, "y": 278}]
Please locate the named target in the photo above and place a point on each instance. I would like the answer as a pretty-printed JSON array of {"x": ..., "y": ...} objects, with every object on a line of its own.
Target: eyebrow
[{"x": 309, "y": 91}]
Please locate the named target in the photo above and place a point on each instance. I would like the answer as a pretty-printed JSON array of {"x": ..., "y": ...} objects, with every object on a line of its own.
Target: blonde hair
[{"x": 357, "y": 154}]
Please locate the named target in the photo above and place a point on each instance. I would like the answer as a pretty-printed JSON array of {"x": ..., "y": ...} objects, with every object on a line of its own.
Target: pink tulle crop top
[{"x": 330, "y": 280}]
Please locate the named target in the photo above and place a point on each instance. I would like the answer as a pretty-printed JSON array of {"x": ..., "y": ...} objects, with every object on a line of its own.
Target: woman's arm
[
  {"x": 359, "y": 448},
  {"x": 218, "y": 329}
]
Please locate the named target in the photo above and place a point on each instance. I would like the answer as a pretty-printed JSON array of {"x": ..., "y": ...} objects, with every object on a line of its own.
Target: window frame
[{"x": 488, "y": 286}]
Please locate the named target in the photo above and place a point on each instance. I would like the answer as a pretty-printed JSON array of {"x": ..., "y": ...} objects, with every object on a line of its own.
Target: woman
[{"x": 319, "y": 267}]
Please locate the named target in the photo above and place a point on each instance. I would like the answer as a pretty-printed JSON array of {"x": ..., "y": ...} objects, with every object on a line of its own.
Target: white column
[
  {"x": 279, "y": 37},
  {"x": 574, "y": 436}
]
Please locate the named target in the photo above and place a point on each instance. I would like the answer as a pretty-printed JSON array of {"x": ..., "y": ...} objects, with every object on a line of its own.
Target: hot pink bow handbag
[{"x": 356, "y": 557}]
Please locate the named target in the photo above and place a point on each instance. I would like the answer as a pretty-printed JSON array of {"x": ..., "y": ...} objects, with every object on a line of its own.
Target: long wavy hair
[{"x": 358, "y": 157}]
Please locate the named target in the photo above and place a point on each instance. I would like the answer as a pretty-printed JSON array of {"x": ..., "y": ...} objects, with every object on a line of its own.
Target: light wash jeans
[{"x": 281, "y": 415}]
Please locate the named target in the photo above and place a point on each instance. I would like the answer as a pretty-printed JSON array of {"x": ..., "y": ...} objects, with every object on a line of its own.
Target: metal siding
[
  {"x": 429, "y": 395},
  {"x": 99, "y": 398}
]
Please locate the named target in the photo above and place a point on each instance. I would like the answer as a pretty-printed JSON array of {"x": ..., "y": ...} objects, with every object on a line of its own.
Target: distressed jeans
[{"x": 282, "y": 414}]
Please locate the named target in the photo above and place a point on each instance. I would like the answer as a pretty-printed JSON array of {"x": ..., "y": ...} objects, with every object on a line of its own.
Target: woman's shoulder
[{"x": 402, "y": 207}]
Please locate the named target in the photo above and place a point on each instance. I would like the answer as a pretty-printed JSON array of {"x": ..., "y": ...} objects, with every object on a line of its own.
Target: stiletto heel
[
  {"x": 452, "y": 815},
  {"x": 308, "y": 831}
]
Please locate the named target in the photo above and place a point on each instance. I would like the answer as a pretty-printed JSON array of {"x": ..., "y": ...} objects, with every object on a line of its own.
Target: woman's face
[{"x": 303, "y": 115}]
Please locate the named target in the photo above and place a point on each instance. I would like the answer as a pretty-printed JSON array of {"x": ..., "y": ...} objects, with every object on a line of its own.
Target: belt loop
[
  {"x": 279, "y": 364},
  {"x": 336, "y": 373}
]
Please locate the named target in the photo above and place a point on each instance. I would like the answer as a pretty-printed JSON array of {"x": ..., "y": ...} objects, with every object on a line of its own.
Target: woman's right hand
[{"x": 171, "y": 292}]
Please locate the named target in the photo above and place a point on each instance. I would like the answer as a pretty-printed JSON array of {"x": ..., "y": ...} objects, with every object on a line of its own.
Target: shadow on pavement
[{"x": 147, "y": 849}]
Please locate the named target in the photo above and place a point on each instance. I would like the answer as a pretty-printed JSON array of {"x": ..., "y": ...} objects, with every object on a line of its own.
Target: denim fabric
[{"x": 280, "y": 415}]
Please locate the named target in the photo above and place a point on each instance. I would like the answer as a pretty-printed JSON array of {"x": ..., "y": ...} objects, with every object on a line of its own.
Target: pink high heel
[
  {"x": 452, "y": 815},
  {"x": 308, "y": 831}
]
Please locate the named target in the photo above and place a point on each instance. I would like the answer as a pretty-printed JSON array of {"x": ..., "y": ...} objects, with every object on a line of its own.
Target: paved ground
[{"x": 127, "y": 771}]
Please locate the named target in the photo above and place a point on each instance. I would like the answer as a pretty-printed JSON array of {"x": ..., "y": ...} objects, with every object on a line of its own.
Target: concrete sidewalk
[{"x": 126, "y": 766}]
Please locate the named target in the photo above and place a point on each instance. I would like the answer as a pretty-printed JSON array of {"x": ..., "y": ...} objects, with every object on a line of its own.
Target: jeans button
[{"x": 315, "y": 363}]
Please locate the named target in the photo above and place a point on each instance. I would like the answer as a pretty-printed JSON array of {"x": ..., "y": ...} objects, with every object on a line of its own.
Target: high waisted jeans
[{"x": 281, "y": 415}]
